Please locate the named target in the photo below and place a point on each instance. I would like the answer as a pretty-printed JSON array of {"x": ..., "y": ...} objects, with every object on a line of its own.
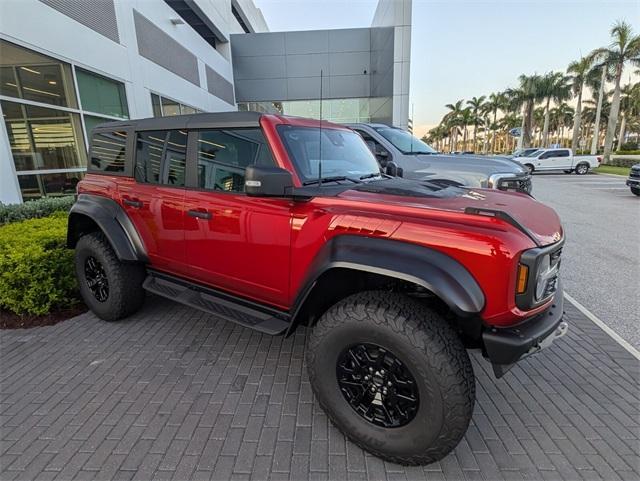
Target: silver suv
[{"x": 417, "y": 160}]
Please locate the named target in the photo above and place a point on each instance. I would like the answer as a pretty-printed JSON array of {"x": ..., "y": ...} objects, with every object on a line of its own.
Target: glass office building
[
  {"x": 73, "y": 65},
  {"x": 48, "y": 107},
  {"x": 98, "y": 61}
]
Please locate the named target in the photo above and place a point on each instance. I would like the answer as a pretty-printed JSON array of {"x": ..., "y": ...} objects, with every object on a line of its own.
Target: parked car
[
  {"x": 634, "y": 179},
  {"x": 271, "y": 223},
  {"x": 559, "y": 159},
  {"x": 419, "y": 161}
]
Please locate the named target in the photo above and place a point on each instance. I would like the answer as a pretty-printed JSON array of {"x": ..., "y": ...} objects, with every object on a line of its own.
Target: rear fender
[{"x": 94, "y": 210}]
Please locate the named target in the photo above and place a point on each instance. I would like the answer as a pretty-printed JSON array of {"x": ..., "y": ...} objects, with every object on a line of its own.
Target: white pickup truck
[{"x": 559, "y": 159}]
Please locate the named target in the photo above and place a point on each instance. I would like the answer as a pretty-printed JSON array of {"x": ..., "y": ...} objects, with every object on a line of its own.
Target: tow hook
[{"x": 560, "y": 331}]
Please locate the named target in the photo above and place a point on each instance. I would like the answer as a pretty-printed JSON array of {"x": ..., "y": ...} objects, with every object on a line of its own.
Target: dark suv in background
[
  {"x": 419, "y": 161},
  {"x": 634, "y": 179}
]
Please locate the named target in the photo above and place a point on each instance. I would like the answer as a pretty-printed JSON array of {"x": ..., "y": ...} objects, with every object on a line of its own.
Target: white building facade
[{"x": 68, "y": 66}]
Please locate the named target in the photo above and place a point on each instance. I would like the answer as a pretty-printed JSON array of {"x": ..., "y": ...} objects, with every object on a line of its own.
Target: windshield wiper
[
  {"x": 371, "y": 175},
  {"x": 331, "y": 179}
]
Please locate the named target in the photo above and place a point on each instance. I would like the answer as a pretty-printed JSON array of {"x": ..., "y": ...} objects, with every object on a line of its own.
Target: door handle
[
  {"x": 133, "y": 203},
  {"x": 200, "y": 214}
]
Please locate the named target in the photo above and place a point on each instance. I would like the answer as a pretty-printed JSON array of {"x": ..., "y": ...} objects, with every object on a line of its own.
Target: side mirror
[
  {"x": 262, "y": 181},
  {"x": 381, "y": 154},
  {"x": 393, "y": 170}
]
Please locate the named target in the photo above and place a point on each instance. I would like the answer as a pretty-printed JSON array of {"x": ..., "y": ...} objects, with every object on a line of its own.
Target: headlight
[
  {"x": 538, "y": 275},
  {"x": 544, "y": 272}
]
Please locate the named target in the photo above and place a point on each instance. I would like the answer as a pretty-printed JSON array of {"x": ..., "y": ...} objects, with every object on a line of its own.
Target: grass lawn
[{"x": 610, "y": 169}]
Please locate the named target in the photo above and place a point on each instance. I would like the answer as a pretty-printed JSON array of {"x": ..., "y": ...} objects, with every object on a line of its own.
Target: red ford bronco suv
[{"x": 274, "y": 222}]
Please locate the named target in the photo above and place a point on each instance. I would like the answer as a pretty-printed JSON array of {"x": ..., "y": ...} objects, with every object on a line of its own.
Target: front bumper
[
  {"x": 633, "y": 182},
  {"x": 506, "y": 346}
]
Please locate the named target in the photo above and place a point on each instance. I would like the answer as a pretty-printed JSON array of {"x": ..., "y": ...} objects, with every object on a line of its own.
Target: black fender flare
[
  {"x": 112, "y": 220},
  {"x": 424, "y": 266}
]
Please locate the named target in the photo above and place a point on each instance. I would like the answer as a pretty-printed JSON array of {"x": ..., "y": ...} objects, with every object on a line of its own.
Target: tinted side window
[
  {"x": 223, "y": 156},
  {"x": 562, "y": 153},
  {"x": 108, "y": 151},
  {"x": 161, "y": 157}
]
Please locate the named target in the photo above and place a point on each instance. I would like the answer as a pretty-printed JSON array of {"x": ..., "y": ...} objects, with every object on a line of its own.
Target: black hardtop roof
[{"x": 192, "y": 121}]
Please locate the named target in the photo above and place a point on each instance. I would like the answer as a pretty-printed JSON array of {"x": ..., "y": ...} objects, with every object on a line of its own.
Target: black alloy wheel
[
  {"x": 377, "y": 385},
  {"x": 96, "y": 279}
]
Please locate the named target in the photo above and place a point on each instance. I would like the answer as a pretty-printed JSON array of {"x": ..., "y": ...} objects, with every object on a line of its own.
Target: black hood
[{"x": 411, "y": 188}]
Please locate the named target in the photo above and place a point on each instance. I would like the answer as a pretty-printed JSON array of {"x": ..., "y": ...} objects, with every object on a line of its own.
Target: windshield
[
  {"x": 344, "y": 153},
  {"x": 405, "y": 142},
  {"x": 532, "y": 154}
]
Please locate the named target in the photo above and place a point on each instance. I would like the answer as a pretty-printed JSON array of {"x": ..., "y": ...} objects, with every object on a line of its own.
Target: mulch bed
[{"x": 9, "y": 320}]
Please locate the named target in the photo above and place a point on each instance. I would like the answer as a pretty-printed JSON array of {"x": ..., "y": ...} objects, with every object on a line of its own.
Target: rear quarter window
[{"x": 108, "y": 152}]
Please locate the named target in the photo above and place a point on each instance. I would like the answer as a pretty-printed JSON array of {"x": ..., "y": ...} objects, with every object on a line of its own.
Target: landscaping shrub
[
  {"x": 33, "y": 209},
  {"x": 36, "y": 269},
  {"x": 623, "y": 162},
  {"x": 629, "y": 146},
  {"x": 627, "y": 152}
]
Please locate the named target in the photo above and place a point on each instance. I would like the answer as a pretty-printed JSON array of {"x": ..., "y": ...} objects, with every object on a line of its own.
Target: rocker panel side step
[{"x": 246, "y": 313}]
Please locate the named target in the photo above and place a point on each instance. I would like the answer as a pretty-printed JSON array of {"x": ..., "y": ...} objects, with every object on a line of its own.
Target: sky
[{"x": 466, "y": 48}]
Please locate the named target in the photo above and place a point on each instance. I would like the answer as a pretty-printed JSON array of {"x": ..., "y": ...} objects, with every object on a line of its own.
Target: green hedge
[
  {"x": 36, "y": 269},
  {"x": 34, "y": 209},
  {"x": 627, "y": 152},
  {"x": 623, "y": 162}
]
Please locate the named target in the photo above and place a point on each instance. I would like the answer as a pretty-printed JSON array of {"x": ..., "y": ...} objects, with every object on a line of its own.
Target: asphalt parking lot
[{"x": 601, "y": 258}]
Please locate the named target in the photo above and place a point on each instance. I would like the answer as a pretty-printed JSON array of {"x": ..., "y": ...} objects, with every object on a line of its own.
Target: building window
[
  {"x": 102, "y": 95},
  {"x": 44, "y": 120},
  {"x": 34, "y": 186},
  {"x": 28, "y": 75},
  {"x": 238, "y": 17},
  {"x": 352, "y": 110},
  {"x": 164, "y": 107},
  {"x": 157, "y": 105},
  {"x": 43, "y": 138}
]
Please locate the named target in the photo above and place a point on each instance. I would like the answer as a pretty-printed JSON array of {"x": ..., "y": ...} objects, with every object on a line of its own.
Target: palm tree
[
  {"x": 466, "y": 119},
  {"x": 476, "y": 104},
  {"x": 625, "y": 47},
  {"x": 629, "y": 108},
  {"x": 496, "y": 102},
  {"x": 578, "y": 70},
  {"x": 553, "y": 86},
  {"x": 452, "y": 119},
  {"x": 528, "y": 93},
  {"x": 596, "y": 114},
  {"x": 596, "y": 80},
  {"x": 539, "y": 116}
]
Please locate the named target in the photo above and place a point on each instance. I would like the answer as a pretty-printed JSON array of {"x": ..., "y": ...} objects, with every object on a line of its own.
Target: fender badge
[{"x": 472, "y": 194}]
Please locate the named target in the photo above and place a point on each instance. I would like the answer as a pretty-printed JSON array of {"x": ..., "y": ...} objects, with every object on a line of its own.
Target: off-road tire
[
  {"x": 635, "y": 190},
  {"x": 429, "y": 348},
  {"x": 580, "y": 171},
  {"x": 125, "y": 292},
  {"x": 529, "y": 167}
]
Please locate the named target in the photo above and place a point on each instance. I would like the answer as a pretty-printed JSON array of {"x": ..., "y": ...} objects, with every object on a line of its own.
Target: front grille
[{"x": 635, "y": 173}]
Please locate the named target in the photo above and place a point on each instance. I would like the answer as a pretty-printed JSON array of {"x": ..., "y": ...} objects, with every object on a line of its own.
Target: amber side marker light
[{"x": 523, "y": 274}]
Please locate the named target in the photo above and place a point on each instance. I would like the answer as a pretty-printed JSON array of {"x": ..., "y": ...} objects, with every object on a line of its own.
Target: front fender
[{"x": 429, "y": 268}]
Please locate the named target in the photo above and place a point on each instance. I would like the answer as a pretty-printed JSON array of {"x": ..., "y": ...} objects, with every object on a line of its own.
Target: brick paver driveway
[{"x": 174, "y": 393}]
